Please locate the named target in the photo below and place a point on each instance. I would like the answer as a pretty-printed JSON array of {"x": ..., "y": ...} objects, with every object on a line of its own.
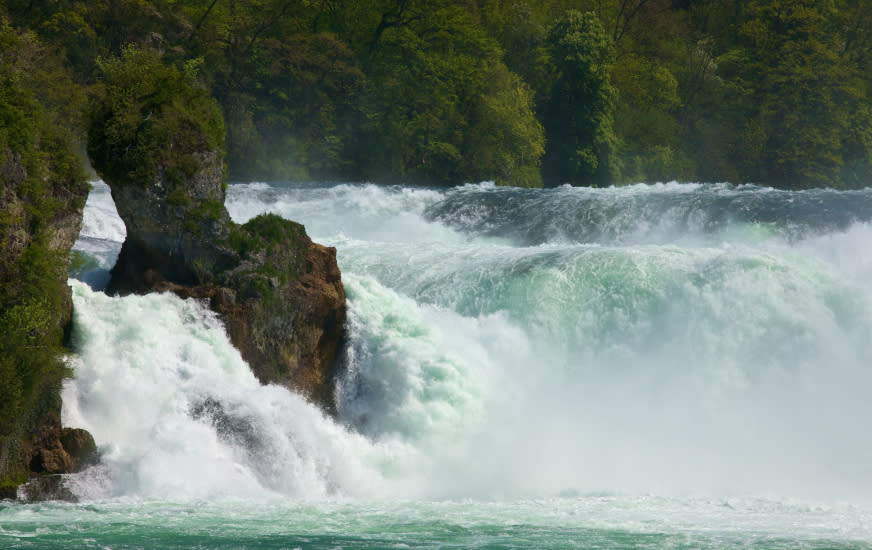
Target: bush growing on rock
[{"x": 150, "y": 116}]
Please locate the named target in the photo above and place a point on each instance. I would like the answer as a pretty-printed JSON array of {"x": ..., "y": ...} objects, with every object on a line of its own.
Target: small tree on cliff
[{"x": 579, "y": 114}]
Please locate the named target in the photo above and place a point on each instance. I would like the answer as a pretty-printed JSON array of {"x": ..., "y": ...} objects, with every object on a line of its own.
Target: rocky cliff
[
  {"x": 40, "y": 221},
  {"x": 157, "y": 141},
  {"x": 42, "y": 194}
]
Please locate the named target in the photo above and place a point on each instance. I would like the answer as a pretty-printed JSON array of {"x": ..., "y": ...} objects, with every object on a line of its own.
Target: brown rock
[
  {"x": 80, "y": 447},
  {"x": 279, "y": 294},
  {"x": 290, "y": 331},
  {"x": 47, "y": 454}
]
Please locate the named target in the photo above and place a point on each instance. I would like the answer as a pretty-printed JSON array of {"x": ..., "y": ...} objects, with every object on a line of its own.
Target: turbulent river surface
[{"x": 653, "y": 366}]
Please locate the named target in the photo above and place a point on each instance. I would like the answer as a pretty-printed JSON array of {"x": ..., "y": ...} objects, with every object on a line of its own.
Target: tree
[
  {"x": 151, "y": 115},
  {"x": 579, "y": 115},
  {"x": 797, "y": 95},
  {"x": 504, "y": 141},
  {"x": 439, "y": 105}
]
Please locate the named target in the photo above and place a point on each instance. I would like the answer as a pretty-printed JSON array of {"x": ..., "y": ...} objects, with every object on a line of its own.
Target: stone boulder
[
  {"x": 173, "y": 227},
  {"x": 282, "y": 303},
  {"x": 57, "y": 450}
]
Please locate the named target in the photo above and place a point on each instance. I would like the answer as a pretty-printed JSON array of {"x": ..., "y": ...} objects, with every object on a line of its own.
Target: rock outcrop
[
  {"x": 279, "y": 294},
  {"x": 42, "y": 196},
  {"x": 41, "y": 220}
]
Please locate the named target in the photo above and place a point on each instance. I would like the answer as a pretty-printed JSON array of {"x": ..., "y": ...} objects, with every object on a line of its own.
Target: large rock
[
  {"x": 279, "y": 294},
  {"x": 174, "y": 227},
  {"x": 284, "y": 307},
  {"x": 57, "y": 450}
]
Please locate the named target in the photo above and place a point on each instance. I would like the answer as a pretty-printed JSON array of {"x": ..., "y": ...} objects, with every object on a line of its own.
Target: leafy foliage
[
  {"x": 580, "y": 111},
  {"x": 444, "y": 92},
  {"x": 42, "y": 180},
  {"x": 150, "y": 115},
  {"x": 798, "y": 94}
]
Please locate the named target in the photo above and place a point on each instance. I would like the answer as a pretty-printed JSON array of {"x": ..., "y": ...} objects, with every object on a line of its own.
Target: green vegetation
[
  {"x": 271, "y": 229},
  {"x": 278, "y": 246},
  {"x": 40, "y": 179},
  {"x": 520, "y": 91},
  {"x": 262, "y": 234},
  {"x": 147, "y": 115},
  {"x": 580, "y": 107}
]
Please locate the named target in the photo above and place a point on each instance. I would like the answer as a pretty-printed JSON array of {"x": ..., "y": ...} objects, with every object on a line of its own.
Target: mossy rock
[{"x": 151, "y": 118}]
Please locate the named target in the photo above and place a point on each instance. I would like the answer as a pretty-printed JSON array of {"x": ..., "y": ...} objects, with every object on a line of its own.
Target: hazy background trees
[{"x": 589, "y": 92}]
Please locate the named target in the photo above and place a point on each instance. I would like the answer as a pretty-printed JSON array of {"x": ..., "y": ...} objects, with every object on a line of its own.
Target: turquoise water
[
  {"x": 578, "y": 522},
  {"x": 655, "y": 366}
]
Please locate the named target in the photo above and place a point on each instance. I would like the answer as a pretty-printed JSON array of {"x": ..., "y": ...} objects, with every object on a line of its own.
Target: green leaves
[
  {"x": 441, "y": 107},
  {"x": 580, "y": 110},
  {"x": 769, "y": 91},
  {"x": 150, "y": 115},
  {"x": 796, "y": 93}
]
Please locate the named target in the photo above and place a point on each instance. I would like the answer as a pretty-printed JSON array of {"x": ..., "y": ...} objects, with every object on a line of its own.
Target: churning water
[{"x": 642, "y": 367}]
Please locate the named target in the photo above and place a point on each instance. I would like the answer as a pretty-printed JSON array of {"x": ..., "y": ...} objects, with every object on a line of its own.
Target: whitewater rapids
[{"x": 669, "y": 339}]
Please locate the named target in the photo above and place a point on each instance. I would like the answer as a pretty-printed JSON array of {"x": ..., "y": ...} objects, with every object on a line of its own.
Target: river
[{"x": 652, "y": 366}]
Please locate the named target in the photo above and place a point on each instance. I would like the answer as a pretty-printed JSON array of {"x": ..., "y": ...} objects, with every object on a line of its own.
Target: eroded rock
[{"x": 279, "y": 294}]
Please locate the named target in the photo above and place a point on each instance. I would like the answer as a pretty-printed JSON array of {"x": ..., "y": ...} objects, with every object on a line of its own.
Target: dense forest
[{"x": 523, "y": 92}]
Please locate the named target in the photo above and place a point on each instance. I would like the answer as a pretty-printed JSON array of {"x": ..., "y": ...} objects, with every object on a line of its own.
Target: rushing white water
[{"x": 668, "y": 340}]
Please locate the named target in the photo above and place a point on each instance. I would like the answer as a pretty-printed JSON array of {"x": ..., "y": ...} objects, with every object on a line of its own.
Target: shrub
[{"x": 148, "y": 115}]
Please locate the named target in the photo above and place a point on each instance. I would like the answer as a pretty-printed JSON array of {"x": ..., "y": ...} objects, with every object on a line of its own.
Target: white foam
[
  {"x": 482, "y": 369},
  {"x": 145, "y": 366}
]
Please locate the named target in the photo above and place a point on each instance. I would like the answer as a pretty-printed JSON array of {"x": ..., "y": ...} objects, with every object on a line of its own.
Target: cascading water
[
  {"x": 672, "y": 338},
  {"x": 683, "y": 362}
]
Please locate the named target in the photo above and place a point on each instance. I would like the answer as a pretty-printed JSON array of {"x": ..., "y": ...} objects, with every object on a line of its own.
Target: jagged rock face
[
  {"x": 46, "y": 488},
  {"x": 172, "y": 226},
  {"x": 288, "y": 326},
  {"x": 57, "y": 450},
  {"x": 279, "y": 294}
]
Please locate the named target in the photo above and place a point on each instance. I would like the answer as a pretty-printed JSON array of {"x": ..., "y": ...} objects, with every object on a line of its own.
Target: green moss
[
  {"x": 268, "y": 270},
  {"x": 178, "y": 197},
  {"x": 274, "y": 229},
  {"x": 9, "y": 485},
  {"x": 208, "y": 210},
  {"x": 262, "y": 287},
  {"x": 272, "y": 242},
  {"x": 205, "y": 210},
  {"x": 241, "y": 241},
  {"x": 264, "y": 233},
  {"x": 203, "y": 269}
]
